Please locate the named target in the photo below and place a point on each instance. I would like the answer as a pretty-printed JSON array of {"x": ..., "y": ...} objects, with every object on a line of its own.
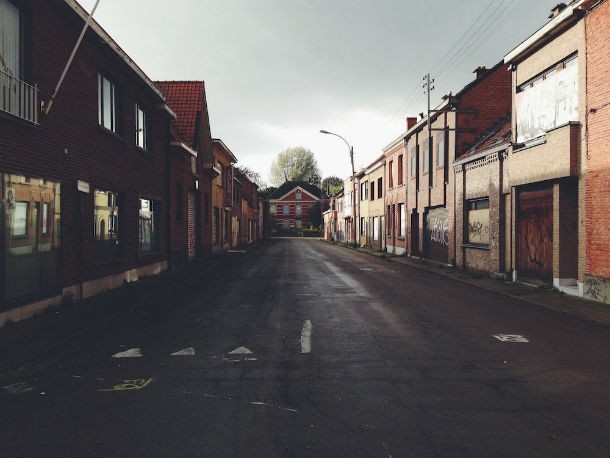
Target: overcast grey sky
[{"x": 278, "y": 71}]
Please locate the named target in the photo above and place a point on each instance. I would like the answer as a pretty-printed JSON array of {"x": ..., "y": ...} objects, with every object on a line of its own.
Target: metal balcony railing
[{"x": 18, "y": 98}]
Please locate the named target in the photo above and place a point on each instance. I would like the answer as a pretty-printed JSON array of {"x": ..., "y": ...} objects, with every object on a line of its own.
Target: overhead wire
[{"x": 470, "y": 41}]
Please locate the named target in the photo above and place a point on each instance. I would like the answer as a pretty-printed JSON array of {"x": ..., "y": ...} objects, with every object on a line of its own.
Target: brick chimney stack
[
  {"x": 479, "y": 71},
  {"x": 557, "y": 9},
  {"x": 411, "y": 121}
]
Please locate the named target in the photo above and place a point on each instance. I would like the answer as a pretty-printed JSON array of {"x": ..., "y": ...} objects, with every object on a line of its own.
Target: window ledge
[
  {"x": 476, "y": 246},
  {"x": 110, "y": 133}
]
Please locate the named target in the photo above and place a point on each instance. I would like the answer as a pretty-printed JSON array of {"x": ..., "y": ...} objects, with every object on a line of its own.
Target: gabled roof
[
  {"x": 498, "y": 136},
  {"x": 288, "y": 186},
  {"x": 220, "y": 144},
  {"x": 186, "y": 98}
]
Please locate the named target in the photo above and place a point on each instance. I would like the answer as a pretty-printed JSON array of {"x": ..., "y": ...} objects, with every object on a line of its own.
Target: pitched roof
[
  {"x": 290, "y": 185},
  {"x": 186, "y": 99},
  {"x": 499, "y": 134}
]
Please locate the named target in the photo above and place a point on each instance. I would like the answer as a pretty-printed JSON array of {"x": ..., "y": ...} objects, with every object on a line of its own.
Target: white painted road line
[{"x": 306, "y": 337}]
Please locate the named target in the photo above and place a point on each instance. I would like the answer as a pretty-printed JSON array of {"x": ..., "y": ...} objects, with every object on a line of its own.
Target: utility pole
[{"x": 427, "y": 89}]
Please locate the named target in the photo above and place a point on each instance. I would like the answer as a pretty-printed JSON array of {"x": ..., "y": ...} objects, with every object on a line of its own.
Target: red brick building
[
  {"x": 190, "y": 172},
  {"x": 396, "y": 192},
  {"x": 597, "y": 181},
  {"x": 290, "y": 205},
  {"x": 84, "y": 180}
]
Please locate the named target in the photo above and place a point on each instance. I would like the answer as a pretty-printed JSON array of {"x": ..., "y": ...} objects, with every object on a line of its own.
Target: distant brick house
[
  {"x": 395, "y": 192},
  {"x": 84, "y": 180},
  {"x": 290, "y": 204},
  {"x": 222, "y": 196}
]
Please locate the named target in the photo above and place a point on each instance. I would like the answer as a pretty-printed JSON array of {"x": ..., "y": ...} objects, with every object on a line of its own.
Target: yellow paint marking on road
[{"x": 133, "y": 384}]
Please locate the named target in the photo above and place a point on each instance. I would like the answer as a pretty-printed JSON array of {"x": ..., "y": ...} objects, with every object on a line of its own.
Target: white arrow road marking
[
  {"x": 241, "y": 351},
  {"x": 240, "y": 354},
  {"x": 185, "y": 352},
  {"x": 306, "y": 337},
  {"x": 131, "y": 353}
]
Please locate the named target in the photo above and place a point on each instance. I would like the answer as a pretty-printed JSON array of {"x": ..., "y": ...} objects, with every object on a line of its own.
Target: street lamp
[{"x": 351, "y": 156}]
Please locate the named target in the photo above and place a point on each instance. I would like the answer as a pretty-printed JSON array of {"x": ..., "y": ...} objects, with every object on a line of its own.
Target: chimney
[
  {"x": 411, "y": 122},
  {"x": 557, "y": 9},
  {"x": 478, "y": 72}
]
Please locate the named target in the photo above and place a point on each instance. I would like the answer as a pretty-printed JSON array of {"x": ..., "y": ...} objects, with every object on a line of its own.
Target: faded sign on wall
[{"x": 550, "y": 102}]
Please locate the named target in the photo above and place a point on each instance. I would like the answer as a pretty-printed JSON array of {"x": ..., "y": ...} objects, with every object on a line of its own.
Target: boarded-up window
[{"x": 478, "y": 222}]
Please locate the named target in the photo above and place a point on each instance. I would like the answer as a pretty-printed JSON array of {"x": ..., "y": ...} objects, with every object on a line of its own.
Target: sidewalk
[{"x": 547, "y": 297}]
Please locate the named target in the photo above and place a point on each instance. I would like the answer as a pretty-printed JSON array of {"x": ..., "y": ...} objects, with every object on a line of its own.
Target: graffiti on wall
[
  {"x": 437, "y": 226},
  {"x": 597, "y": 289},
  {"x": 478, "y": 226},
  {"x": 538, "y": 234}
]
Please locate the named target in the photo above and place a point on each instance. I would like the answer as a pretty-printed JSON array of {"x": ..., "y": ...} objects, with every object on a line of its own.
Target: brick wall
[
  {"x": 69, "y": 145},
  {"x": 598, "y": 143}
]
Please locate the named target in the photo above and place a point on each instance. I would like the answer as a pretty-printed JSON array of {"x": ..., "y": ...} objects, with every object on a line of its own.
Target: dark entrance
[
  {"x": 436, "y": 234},
  {"x": 535, "y": 218}
]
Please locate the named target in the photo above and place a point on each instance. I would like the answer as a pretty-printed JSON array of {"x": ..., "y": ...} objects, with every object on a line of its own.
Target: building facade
[
  {"x": 84, "y": 178},
  {"x": 597, "y": 181},
  {"x": 547, "y": 164},
  {"x": 290, "y": 206},
  {"x": 222, "y": 196},
  {"x": 433, "y": 144}
]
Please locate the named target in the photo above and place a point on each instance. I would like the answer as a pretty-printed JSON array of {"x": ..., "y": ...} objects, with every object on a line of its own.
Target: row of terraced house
[
  {"x": 510, "y": 175},
  {"x": 105, "y": 175}
]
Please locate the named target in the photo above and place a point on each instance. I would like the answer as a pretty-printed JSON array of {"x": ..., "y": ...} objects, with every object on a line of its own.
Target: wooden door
[{"x": 535, "y": 257}]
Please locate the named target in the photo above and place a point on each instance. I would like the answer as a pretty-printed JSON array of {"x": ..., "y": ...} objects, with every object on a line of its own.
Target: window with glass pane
[
  {"x": 142, "y": 134},
  {"x": 107, "y": 113},
  {"x": 414, "y": 162},
  {"x": 299, "y": 210},
  {"x": 440, "y": 150},
  {"x": 286, "y": 209},
  {"x": 400, "y": 168},
  {"x": 401, "y": 223},
  {"x": 30, "y": 231},
  {"x": 149, "y": 227},
  {"x": 299, "y": 195},
  {"x": 10, "y": 53},
  {"x": 106, "y": 224},
  {"x": 426, "y": 157}
]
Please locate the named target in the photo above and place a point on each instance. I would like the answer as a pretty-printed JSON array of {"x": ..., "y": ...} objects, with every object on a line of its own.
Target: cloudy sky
[{"x": 278, "y": 71}]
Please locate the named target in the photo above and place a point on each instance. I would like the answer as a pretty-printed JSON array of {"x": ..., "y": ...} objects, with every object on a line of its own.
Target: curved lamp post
[{"x": 351, "y": 156}]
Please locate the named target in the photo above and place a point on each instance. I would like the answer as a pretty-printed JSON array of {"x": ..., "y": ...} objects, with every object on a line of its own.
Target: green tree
[
  {"x": 295, "y": 164},
  {"x": 331, "y": 185}
]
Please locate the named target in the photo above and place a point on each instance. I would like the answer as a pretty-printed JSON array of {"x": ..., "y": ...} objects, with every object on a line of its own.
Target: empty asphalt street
[{"x": 300, "y": 348}]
